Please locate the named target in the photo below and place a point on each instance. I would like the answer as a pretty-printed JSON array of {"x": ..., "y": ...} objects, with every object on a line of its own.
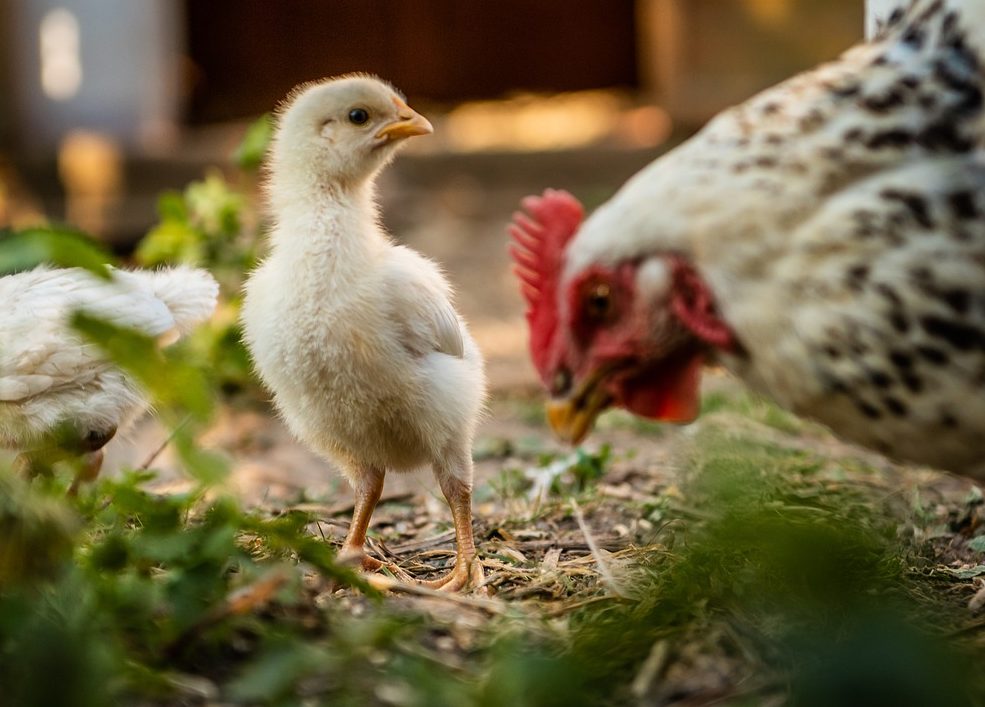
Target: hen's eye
[
  {"x": 358, "y": 116},
  {"x": 599, "y": 301}
]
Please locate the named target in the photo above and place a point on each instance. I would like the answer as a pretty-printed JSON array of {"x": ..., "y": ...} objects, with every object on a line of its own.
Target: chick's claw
[{"x": 467, "y": 574}]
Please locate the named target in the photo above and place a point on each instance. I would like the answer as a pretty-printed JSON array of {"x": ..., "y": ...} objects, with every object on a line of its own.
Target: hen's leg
[
  {"x": 89, "y": 466},
  {"x": 91, "y": 460},
  {"x": 456, "y": 485},
  {"x": 368, "y": 487}
]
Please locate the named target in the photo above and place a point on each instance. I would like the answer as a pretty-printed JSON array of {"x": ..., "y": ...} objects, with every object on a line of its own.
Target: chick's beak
[
  {"x": 572, "y": 417},
  {"x": 408, "y": 124}
]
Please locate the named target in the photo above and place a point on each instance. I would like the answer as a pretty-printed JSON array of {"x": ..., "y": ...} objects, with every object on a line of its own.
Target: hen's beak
[
  {"x": 408, "y": 124},
  {"x": 572, "y": 417}
]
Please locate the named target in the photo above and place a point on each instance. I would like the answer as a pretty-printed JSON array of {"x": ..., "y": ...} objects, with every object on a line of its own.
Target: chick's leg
[
  {"x": 368, "y": 487},
  {"x": 457, "y": 489}
]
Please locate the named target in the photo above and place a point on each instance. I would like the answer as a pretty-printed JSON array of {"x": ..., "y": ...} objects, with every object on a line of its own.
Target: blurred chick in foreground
[
  {"x": 59, "y": 395},
  {"x": 357, "y": 337},
  {"x": 825, "y": 240}
]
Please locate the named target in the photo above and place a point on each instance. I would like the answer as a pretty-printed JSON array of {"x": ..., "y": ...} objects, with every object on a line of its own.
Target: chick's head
[{"x": 342, "y": 131}]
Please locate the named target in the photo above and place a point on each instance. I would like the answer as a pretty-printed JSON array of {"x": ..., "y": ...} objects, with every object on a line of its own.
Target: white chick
[
  {"x": 59, "y": 395},
  {"x": 357, "y": 337}
]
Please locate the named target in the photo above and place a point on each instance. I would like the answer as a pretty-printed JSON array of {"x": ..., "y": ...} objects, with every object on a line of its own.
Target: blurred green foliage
[
  {"x": 201, "y": 225},
  {"x": 53, "y": 245},
  {"x": 253, "y": 149},
  {"x": 213, "y": 223},
  {"x": 156, "y": 587},
  {"x": 809, "y": 586}
]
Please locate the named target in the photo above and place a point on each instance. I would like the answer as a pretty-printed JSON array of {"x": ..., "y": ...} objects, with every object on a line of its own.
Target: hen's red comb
[{"x": 538, "y": 253}]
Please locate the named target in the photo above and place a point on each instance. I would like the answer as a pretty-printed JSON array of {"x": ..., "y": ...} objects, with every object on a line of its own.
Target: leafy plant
[{"x": 56, "y": 246}]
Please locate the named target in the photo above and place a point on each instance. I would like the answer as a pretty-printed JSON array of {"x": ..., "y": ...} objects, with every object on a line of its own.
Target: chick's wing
[{"x": 420, "y": 305}]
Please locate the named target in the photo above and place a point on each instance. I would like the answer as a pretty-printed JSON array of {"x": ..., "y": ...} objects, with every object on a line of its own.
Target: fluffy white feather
[{"x": 50, "y": 377}]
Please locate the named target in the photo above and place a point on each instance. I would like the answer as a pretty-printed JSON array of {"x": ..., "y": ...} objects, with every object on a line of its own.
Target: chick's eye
[
  {"x": 358, "y": 116},
  {"x": 598, "y": 303}
]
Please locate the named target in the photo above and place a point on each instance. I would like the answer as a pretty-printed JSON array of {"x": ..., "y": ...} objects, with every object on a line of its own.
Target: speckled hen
[{"x": 825, "y": 240}]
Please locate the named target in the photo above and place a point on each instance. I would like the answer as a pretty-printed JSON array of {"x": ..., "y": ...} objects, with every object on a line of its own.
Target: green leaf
[
  {"x": 171, "y": 206},
  {"x": 251, "y": 151},
  {"x": 977, "y": 544},
  {"x": 966, "y": 572},
  {"x": 171, "y": 241},
  {"x": 213, "y": 206},
  {"x": 60, "y": 247},
  {"x": 207, "y": 467},
  {"x": 275, "y": 673},
  {"x": 171, "y": 382},
  {"x": 36, "y": 532}
]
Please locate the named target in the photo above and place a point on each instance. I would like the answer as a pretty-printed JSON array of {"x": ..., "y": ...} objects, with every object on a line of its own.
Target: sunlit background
[
  {"x": 104, "y": 102},
  {"x": 107, "y": 103}
]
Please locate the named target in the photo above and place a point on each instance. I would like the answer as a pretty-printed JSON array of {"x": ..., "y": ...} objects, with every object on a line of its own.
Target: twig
[
  {"x": 167, "y": 440},
  {"x": 242, "y": 601},
  {"x": 973, "y": 627},
  {"x": 593, "y": 547},
  {"x": 389, "y": 584},
  {"x": 611, "y": 544},
  {"x": 419, "y": 545},
  {"x": 565, "y": 608},
  {"x": 651, "y": 669},
  {"x": 348, "y": 506}
]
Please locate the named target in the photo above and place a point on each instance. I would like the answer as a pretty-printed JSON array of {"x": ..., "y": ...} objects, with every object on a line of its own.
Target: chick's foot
[{"x": 467, "y": 574}]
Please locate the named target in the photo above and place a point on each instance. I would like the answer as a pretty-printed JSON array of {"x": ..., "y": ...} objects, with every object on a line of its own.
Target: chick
[{"x": 357, "y": 337}]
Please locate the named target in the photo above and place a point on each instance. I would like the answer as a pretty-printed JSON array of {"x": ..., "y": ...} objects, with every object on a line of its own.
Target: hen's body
[
  {"x": 839, "y": 221},
  {"x": 53, "y": 383}
]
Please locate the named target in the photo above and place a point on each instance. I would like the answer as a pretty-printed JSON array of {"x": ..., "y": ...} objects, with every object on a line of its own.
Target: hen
[
  {"x": 59, "y": 396},
  {"x": 357, "y": 337},
  {"x": 825, "y": 240}
]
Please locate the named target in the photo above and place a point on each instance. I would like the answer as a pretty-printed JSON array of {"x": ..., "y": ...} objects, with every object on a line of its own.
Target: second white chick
[{"x": 357, "y": 337}]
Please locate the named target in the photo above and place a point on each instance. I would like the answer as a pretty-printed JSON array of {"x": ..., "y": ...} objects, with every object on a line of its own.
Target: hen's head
[
  {"x": 631, "y": 334},
  {"x": 342, "y": 130}
]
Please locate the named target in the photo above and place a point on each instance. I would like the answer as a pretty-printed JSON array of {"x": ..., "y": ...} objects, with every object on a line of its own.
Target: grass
[{"x": 760, "y": 575}]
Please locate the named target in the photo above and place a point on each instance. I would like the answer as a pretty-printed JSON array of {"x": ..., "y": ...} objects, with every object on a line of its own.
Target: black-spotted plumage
[{"x": 839, "y": 220}]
